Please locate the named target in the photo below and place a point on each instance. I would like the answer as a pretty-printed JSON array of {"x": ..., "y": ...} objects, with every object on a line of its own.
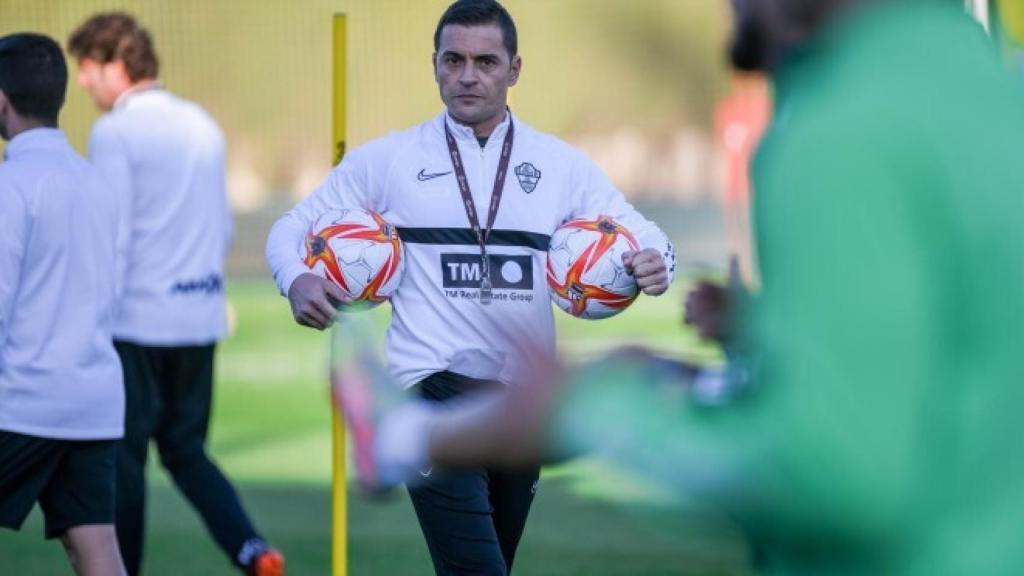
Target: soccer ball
[
  {"x": 586, "y": 277},
  {"x": 358, "y": 251}
]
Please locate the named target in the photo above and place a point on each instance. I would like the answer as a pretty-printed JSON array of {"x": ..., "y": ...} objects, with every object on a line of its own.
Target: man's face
[
  {"x": 103, "y": 81},
  {"x": 474, "y": 72}
]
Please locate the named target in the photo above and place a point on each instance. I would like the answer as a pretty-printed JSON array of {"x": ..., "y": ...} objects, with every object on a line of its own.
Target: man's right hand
[
  {"x": 709, "y": 306},
  {"x": 315, "y": 300}
]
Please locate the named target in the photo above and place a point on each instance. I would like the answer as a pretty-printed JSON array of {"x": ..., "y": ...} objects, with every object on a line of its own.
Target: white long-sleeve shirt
[
  {"x": 59, "y": 374},
  {"x": 438, "y": 324},
  {"x": 165, "y": 159}
]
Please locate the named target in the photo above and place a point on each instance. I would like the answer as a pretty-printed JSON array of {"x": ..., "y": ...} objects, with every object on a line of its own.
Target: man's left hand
[{"x": 648, "y": 267}]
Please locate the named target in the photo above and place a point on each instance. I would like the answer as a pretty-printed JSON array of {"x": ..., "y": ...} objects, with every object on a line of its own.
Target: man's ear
[
  {"x": 5, "y": 112},
  {"x": 120, "y": 69},
  {"x": 517, "y": 68}
]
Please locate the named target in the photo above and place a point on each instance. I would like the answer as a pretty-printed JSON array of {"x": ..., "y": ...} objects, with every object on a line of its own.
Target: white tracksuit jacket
[
  {"x": 164, "y": 159},
  {"x": 59, "y": 374},
  {"x": 407, "y": 177}
]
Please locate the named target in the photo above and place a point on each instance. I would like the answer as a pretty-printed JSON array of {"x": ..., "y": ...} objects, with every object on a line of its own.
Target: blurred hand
[
  {"x": 315, "y": 300},
  {"x": 709, "y": 306},
  {"x": 648, "y": 267}
]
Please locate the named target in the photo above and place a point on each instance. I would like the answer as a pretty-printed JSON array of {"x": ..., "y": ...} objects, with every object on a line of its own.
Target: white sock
[{"x": 402, "y": 442}]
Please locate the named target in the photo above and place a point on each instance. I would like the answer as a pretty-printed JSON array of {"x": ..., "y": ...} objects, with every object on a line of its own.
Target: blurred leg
[
  {"x": 455, "y": 515},
  {"x": 453, "y": 506},
  {"x": 78, "y": 507},
  {"x": 181, "y": 439},
  {"x": 511, "y": 495},
  {"x": 141, "y": 409},
  {"x": 92, "y": 550}
]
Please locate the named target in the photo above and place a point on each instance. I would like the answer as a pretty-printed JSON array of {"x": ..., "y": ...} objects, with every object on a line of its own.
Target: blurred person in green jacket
[
  {"x": 874, "y": 431},
  {"x": 886, "y": 334}
]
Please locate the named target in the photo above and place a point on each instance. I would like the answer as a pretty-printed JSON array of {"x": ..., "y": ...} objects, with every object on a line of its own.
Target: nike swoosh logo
[{"x": 423, "y": 176}]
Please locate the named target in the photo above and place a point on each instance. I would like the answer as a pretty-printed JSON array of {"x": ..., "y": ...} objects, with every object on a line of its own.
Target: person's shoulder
[
  {"x": 22, "y": 179},
  {"x": 190, "y": 106},
  {"x": 12, "y": 187},
  {"x": 16, "y": 173},
  {"x": 112, "y": 135},
  {"x": 389, "y": 147},
  {"x": 8, "y": 172},
  {"x": 157, "y": 107},
  {"x": 196, "y": 115},
  {"x": 110, "y": 125},
  {"x": 397, "y": 138}
]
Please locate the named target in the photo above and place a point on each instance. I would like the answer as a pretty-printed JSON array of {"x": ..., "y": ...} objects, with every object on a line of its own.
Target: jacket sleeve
[
  {"x": 14, "y": 227},
  {"x": 593, "y": 194},
  {"x": 357, "y": 181},
  {"x": 109, "y": 155}
]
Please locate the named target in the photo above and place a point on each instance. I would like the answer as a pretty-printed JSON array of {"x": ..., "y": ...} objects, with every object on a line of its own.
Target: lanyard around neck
[
  {"x": 467, "y": 195},
  {"x": 470, "y": 206}
]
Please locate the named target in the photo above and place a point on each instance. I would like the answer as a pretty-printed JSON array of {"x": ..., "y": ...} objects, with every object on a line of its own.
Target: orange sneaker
[{"x": 269, "y": 563}]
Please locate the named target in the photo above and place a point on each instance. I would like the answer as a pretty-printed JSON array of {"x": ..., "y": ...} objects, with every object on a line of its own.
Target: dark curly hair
[{"x": 111, "y": 36}]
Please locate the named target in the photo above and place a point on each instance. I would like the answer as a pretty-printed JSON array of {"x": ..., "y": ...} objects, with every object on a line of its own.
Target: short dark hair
[
  {"x": 33, "y": 75},
  {"x": 767, "y": 29},
  {"x": 480, "y": 13},
  {"x": 110, "y": 36}
]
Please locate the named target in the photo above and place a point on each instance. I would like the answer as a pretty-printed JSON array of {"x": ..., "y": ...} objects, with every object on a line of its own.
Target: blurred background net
[
  {"x": 641, "y": 85},
  {"x": 635, "y": 84}
]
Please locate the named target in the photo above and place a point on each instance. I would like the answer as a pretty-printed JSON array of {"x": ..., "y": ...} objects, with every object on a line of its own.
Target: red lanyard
[{"x": 467, "y": 201}]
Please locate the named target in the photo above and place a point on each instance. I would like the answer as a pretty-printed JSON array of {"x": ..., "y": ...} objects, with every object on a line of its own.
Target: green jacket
[
  {"x": 884, "y": 434},
  {"x": 890, "y": 233}
]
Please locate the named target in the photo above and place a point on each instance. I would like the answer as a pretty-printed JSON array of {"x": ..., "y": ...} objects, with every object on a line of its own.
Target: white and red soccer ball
[
  {"x": 585, "y": 273},
  {"x": 357, "y": 250}
]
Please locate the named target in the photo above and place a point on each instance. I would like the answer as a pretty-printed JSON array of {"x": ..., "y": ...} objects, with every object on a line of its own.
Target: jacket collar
[
  {"x": 35, "y": 139},
  {"x": 463, "y": 133},
  {"x": 129, "y": 94}
]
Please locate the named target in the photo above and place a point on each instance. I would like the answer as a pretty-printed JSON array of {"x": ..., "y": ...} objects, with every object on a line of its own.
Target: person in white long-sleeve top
[
  {"x": 61, "y": 397},
  {"x": 164, "y": 158},
  {"x": 441, "y": 344}
]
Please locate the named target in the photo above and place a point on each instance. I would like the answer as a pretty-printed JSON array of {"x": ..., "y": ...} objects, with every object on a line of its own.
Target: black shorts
[{"x": 73, "y": 481}]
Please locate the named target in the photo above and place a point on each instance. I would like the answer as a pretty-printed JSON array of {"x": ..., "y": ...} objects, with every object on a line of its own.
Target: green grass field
[{"x": 271, "y": 433}]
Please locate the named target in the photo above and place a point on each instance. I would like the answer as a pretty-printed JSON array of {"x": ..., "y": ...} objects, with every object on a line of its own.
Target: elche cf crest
[{"x": 528, "y": 176}]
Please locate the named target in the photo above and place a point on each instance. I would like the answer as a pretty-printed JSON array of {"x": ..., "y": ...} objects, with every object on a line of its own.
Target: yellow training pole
[{"x": 339, "y": 487}]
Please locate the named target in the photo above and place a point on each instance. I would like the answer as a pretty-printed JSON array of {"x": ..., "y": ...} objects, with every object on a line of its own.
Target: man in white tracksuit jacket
[
  {"x": 443, "y": 341},
  {"x": 163, "y": 159},
  {"x": 61, "y": 396}
]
